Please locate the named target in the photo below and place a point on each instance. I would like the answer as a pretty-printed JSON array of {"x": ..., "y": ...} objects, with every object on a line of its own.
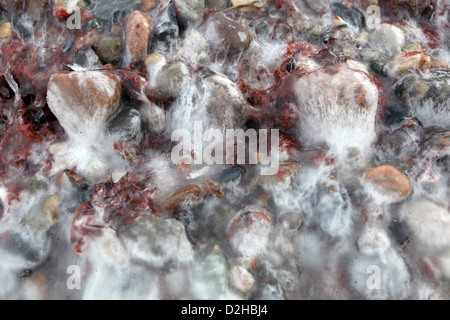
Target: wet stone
[
  {"x": 127, "y": 126},
  {"x": 109, "y": 50},
  {"x": 232, "y": 174},
  {"x": 5, "y": 32},
  {"x": 83, "y": 101},
  {"x": 184, "y": 197},
  {"x": 138, "y": 30},
  {"x": 166, "y": 30},
  {"x": 172, "y": 79},
  {"x": 231, "y": 38},
  {"x": 389, "y": 182},
  {"x": 190, "y": 12}
]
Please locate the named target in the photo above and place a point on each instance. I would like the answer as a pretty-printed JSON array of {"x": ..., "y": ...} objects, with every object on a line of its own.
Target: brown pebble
[
  {"x": 138, "y": 30},
  {"x": 390, "y": 181},
  {"x": 175, "y": 201}
]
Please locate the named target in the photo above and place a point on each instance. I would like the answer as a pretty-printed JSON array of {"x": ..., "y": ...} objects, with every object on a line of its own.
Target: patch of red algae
[{"x": 113, "y": 205}]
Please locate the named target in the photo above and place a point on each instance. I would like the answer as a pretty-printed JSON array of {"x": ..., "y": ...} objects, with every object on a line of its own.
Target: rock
[
  {"x": 224, "y": 101},
  {"x": 364, "y": 4},
  {"x": 352, "y": 16},
  {"x": 406, "y": 8},
  {"x": 389, "y": 183},
  {"x": 217, "y": 5},
  {"x": 147, "y": 5},
  {"x": 137, "y": 32},
  {"x": 211, "y": 273},
  {"x": 109, "y": 49},
  {"x": 241, "y": 279},
  {"x": 346, "y": 122},
  {"x": 154, "y": 117},
  {"x": 228, "y": 37},
  {"x": 155, "y": 60},
  {"x": 249, "y": 231},
  {"x": 286, "y": 171},
  {"x": 378, "y": 272},
  {"x": 427, "y": 96},
  {"x": 232, "y": 174},
  {"x": 184, "y": 198},
  {"x": 436, "y": 143},
  {"x": 195, "y": 50},
  {"x": 428, "y": 222},
  {"x": 388, "y": 39},
  {"x": 83, "y": 101},
  {"x": 166, "y": 30},
  {"x": 6, "y": 32},
  {"x": 318, "y": 6},
  {"x": 438, "y": 63},
  {"x": 409, "y": 60},
  {"x": 172, "y": 79},
  {"x": 190, "y": 12},
  {"x": 158, "y": 242},
  {"x": 127, "y": 126}
]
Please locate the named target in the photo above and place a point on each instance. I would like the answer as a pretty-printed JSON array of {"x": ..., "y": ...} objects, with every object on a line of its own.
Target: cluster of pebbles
[{"x": 92, "y": 206}]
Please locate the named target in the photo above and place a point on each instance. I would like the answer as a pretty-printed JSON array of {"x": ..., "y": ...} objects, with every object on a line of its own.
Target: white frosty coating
[
  {"x": 388, "y": 39},
  {"x": 430, "y": 113},
  {"x": 88, "y": 147},
  {"x": 241, "y": 279},
  {"x": 81, "y": 125},
  {"x": 252, "y": 240},
  {"x": 429, "y": 223},
  {"x": 330, "y": 113}
]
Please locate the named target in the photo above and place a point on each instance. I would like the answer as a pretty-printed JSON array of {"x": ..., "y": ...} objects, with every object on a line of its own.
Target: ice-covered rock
[
  {"x": 387, "y": 39},
  {"x": 337, "y": 106}
]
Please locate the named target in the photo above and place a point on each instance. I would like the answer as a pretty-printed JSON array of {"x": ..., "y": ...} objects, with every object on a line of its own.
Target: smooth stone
[
  {"x": 172, "y": 78},
  {"x": 6, "y": 31},
  {"x": 183, "y": 197},
  {"x": 388, "y": 39},
  {"x": 241, "y": 279},
  {"x": 109, "y": 49},
  {"x": 137, "y": 31},
  {"x": 190, "y": 12},
  {"x": 390, "y": 183},
  {"x": 83, "y": 101}
]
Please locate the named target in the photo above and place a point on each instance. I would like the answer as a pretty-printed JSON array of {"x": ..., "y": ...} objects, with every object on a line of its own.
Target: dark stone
[
  {"x": 109, "y": 50},
  {"x": 399, "y": 231},
  {"x": 260, "y": 27},
  {"x": 127, "y": 126},
  {"x": 232, "y": 174},
  {"x": 396, "y": 114},
  {"x": 166, "y": 30},
  {"x": 352, "y": 16}
]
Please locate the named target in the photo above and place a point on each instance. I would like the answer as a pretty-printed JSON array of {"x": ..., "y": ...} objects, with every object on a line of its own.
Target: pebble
[
  {"x": 353, "y": 111},
  {"x": 411, "y": 59},
  {"x": 166, "y": 30},
  {"x": 249, "y": 231},
  {"x": 109, "y": 49},
  {"x": 83, "y": 101},
  {"x": 426, "y": 96},
  {"x": 6, "y": 32},
  {"x": 190, "y": 12},
  {"x": 388, "y": 39},
  {"x": 231, "y": 37},
  {"x": 127, "y": 126},
  {"x": 172, "y": 78},
  {"x": 183, "y": 197},
  {"x": 137, "y": 32},
  {"x": 155, "y": 60},
  {"x": 216, "y": 5},
  {"x": 224, "y": 101},
  {"x": 157, "y": 242},
  {"x": 389, "y": 182},
  {"x": 147, "y": 5},
  {"x": 318, "y": 6},
  {"x": 241, "y": 279}
]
